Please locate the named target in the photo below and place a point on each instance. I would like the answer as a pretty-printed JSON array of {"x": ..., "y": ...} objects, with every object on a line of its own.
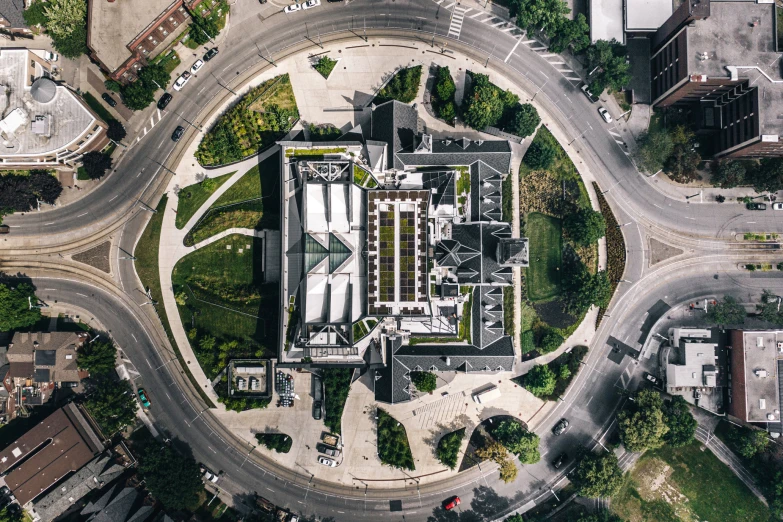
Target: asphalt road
[{"x": 115, "y": 207}]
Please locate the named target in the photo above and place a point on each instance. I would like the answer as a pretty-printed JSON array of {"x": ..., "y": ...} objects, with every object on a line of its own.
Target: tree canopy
[
  {"x": 497, "y": 453},
  {"x": 585, "y": 226},
  {"x": 97, "y": 357},
  {"x": 598, "y": 475},
  {"x": 15, "y": 311},
  {"x": 524, "y": 121},
  {"x": 448, "y": 448},
  {"x": 540, "y": 380},
  {"x": 571, "y": 33},
  {"x": 116, "y": 131},
  {"x": 203, "y": 28},
  {"x": 729, "y": 174},
  {"x": 540, "y": 155},
  {"x": 64, "y": 16},
  {"x": 139, "y": 94},
  {"x": 539, "y": 15},
  {"x": 751, "y": 442},
  {"x": 516, "y": 439},
  {"x": 550, "y": 341},
  {"x": 727, "y": 311},
  {"x": 425, "y": 382},
  {"x": 393, "y": 446},
  {"x": 112, "y": 404},
  {"x": 769, "y": 309},
  {"x": 279, "y": 442},
  {"x": 20, "y": 193},
  {"x": 404, "y": 86},
  {"x": 682, "y": 426},
  {"x": 642, "y": 424},
  {"x": 606, "y": 60},
  {"x": 96, "y": 164},
  {"x": 172, "y": 478},
  {"x": 486, "y": 103},
  {"x": 581, "y": 289}
]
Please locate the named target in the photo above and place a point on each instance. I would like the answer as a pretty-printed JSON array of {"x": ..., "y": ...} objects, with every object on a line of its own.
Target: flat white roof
[
  {"x": 646, "y": 15},
  {"x": 606, "y": 20}
]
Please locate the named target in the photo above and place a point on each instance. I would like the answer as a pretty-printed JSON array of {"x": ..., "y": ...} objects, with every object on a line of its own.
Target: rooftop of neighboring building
[
  {"x": 762, "y": 389},
  {"x": 695, "y": 368},
  {"x": 41, "y": 117},
  {"x": 606, "y": 20},
  {"x": 646, "y": 15},
  {"x": 11, "y": 13}
]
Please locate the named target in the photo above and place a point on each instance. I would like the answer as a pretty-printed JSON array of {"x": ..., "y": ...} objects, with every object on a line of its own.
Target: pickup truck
[{"x": 329, "y": 439}]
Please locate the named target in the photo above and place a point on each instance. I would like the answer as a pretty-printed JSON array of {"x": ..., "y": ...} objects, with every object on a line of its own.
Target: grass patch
[
  {"x": 191, "y": 198},
  {"x": 697, "y": 486},
  {"x": 221, "y": 293},
  {"x": 403, "y": 87},
  {"x": 393, "y": 446},
  {"x": 324, "y": 66},
  {"x": 359, "y": 330},
  {"x": 169, "y": 61},
  {"x": 546, "y": 243},
  {"x": 508, "y": 311},
  {"x": 337, "y": 383},
  {"x": 279, "y": 442},
  {"x": 322, "y": 151},
  {"x": 97, "y": 107},
  {"x": 260, "y": 118}
]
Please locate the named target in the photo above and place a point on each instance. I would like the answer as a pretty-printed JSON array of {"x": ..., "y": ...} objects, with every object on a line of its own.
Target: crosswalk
[{"x": 457, "y": 17}]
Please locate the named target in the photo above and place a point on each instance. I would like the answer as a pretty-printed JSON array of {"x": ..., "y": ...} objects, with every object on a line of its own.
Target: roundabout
[{"x": 42, "y": 246}]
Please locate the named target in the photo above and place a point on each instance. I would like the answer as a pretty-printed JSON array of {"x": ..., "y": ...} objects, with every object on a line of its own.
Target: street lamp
[{"x": 694, "y": 195}]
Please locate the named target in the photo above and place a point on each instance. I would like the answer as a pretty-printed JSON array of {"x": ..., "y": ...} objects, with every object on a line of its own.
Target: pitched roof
[
  {"x": 12, "y": 11},
  {"x": 397, "y": 124},
  {"x": 473, "y": 250}
]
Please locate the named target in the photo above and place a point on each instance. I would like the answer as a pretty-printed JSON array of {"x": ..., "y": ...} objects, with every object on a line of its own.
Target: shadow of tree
[
  {"x": 436, "y": 433},
  {"x": 486, "y": 505}
]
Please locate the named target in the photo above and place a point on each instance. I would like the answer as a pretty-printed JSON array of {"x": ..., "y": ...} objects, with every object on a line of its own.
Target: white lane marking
[
  {"x": 134, "y": 338},
  {"x": 148, "y": 363},
  {"x": 80, "y": 215},
  {"x": 77, "y": 293},
  {"x": 112, "y": 199},
  {"x": 498, "y": 24},
  {"x": 270, "y": 489},
  {"x": 528, "y": 42},
  {"x": 47, "y": 224},
  {"x": 572, "y": 78},
  {"x": 477, "y": 13},
  {"x": 160, "y": 116},
  {"x": 511, "y": 51},
  {"x": 660, "y": 207},
  {"x": 613, "y": 133},
  {"x": 152, "y": 121},
  {"x": 686, "y": 217},
  {"x": 449, "y": 6}
]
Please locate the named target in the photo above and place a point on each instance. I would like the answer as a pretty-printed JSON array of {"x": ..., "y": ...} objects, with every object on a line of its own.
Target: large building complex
[
  {"x": 43, "y": 124},
  {"x": 720, "y": 60},
  {"x": 377, "y": 236}
]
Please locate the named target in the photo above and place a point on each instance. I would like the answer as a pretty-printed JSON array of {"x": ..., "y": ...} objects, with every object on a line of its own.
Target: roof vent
[
  {"x": 762, "y": 404},
  {"x": 448, "y": 361},
  {"x": 761, "y": 373}
]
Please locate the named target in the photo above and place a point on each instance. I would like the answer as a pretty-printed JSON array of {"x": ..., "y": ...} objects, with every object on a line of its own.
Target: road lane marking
[
  {"x": 134, "y": 338},
  {"x": 511, "y": 52},
  {"x": 77, "y": 293},
  {"x": 112, "y": 199},
  {"x": 270, "y": 489},
  {"x": 148, "y": 363},
  {"x": 47, "y": 224},
  {"x": 80, "y": 215}
]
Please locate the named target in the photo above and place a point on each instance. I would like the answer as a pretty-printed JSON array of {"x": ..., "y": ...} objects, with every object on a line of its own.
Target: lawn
[
  {"x": 393, "y": 446},
  {"x": 260, "y": 118},
  {"x": 546, "y": 245},
  {"x": 251, "y": 202},
  {"x": 224, "y": 293},
  {"x": 97, "y": 107},
  {"x": 191, "y": 198},
  {"x": 688, "y": 483},
  {"x": 169, "y": 61}
]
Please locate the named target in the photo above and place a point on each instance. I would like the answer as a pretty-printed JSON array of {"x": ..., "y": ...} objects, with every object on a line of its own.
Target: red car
[{"x": 451, "y": 504}]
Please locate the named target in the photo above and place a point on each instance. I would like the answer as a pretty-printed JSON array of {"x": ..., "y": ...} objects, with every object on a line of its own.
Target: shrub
[
  {"x": 551, "y": 341},
  {"x": 424, "y": 381},
  {"x": 539, "y": 156},
  {"x": 540, "y": 380},
  {"x": 324, "y": 66},
  {"x": 393, "y": 447},
  {"x": 337, "y": 383},
  {"x": 279, "y": 442},
  {"x": 524, "y": 121},
  {"x": 448, "y": 447},
  {"x": 403, "y": 87},
  {"x": 448, "y": 111}
]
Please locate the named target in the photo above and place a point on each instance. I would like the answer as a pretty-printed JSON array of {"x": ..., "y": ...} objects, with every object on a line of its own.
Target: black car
[
  {"x": 210, "y": 54},
  {"x": 178, "y": 132},
  {"x": 317, "y": 408},
  {"x": 756, "y": 206},
  {"x": 108, "y": 99},
  {"x": 560, "y": 427},
  {"x": 560, "y": 460},
  {"x": 164, "y": 100}
]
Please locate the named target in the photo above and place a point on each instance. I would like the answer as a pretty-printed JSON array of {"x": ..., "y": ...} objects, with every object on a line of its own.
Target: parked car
[
  {"x": 756, "y": 206},
  {"x": 292, "y": 8},
  {"x": 177, "y": 134},
  {"x": 264, "y": 504},
  {"x": 587, "y": 93},
  {"x": 143, "y": 398},
  {"x": 209, "y": 475},
  {"x": 108, "y": 99},
  {"x": 181, "y": 81},
  {"x": 451, "y": 503},
  {"x": 605, "y": 115},
  {"x": 652, "y": 378},
  {"x": 210, "y": 54},
  {"x": 327, "y": 462},
  {"x": 311, "y": 3},
  {"x": 196, "y": 66},
  {"x": 50, "y": 56},
  {"x": 317, "y": 410},
  {"x": 560, "y": 427},
  {"x": 560, "y": 460},
  {"x": 164, "y": 100},
  {"x": 777, "y": 206},
  {"x": 5, "y": 229},
  {"x": 328, "y": 451}
]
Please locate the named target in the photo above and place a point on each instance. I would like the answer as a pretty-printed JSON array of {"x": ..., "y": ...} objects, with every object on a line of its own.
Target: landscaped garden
[
  {"x": 279, "y": 442},
  {"x": 220, "y": 293},
  {"x": 393, "y": 446},
  {"x": 487, "y": 105},
  {"x": 615, "y": 247},
  {"x": 448, "y": 448},
  {"x": 403, "y": 87},
  {"x": 550, "y": 381},
  {"x": 252, "y": 202},
  {"x": 260, "y": 118},
  {"x": 324, "y": 65},
  {"x": 192, "y": 197},
  {"x": 337, "y": 384}
]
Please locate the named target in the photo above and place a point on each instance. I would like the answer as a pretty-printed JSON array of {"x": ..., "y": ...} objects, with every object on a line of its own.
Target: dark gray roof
[
  {"x": 473, "y": 250},
  {"x": 42, "y": 375},
  {"x": 45, "y": 357},
  {"x": 118, "y": 505},
  {"x": 397, "y": 124},
  {"x": 486, "y": 193},
  {"x": 443, "y": 185},
  {"x": 12, "y": 11}
]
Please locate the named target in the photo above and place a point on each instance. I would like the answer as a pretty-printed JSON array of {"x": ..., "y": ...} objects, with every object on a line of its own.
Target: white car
[
  {"x": 50, "y": 56},
  {"x": 777, "y": 206},
  {"x": 181, "y": 81},
  {"x": 196, "y": 66},
  {"x": 212, "y": 477},
  {"x": 292, "y": 8},
  {"x": 327, "y": 462},
  {"x": 605, "y": 115},
  {"x": 311, "y": 3}
]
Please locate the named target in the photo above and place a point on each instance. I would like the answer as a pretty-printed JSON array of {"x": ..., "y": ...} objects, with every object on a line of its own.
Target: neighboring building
[
  {"x": 622, "y": 20},
  {"x": 250, "y": 378},
  {"x": 97, "y": 474},
  {"x": 411, "y": 253},
  {"x": 59, "y": 445},
  {"x": 11, "y": 17},
  {"x": 756, "y": 372},
  {"x": 41, "y": 362},
  {"x": 43, "y": 124},
  {"x": 720, "y": 60},
  {"x": 696, "y": 367},
  {"x": 123, "y": 35},
  {"x": 119, "y": 504}
]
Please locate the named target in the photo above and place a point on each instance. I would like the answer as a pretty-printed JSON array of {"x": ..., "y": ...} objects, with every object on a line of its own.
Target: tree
[
  {"x": 515, "y": 518},
  {"x": 112, "y": 404},
  {"x": 684, "y": 160},
  {"x": 116, "y": 131},
  {"x": 448, "y": 448},
  {"x": 97, "y": 357},
  {"x": 137, "y": 96},
  {"x": 279, "y": 442},
  {"x": 581, "y": 289},
  {"x": 653, "y": 151},
  {"x": 447, "y": 111},
  {"x": 598, "y": 475},
  {"x": 11, "y": 513},
  {"x": 574, "y": 33},
  {"x": 550, "y": 341},
  {"x": 752, "y": 442},
  {"x": 602, "y": 515},
  {"x": 113, "y": 85},
  {"x": 74, "y": 44},
  {"x": 35, "y": 14},
  {"x": 497, "y": 453},
  {"x": 404, "y": 86},
  {"x": 203, "y": 28},
  {"x": 485, "y": 104},
  {"x": 64, "y": 16},
  {"x": 642, "y": 425},
  {"x": 563, "y": 372},
  {"x": 729, "y": 174},
  {"x": 682, "y": 425},
  {"x": 444, "y": 85},
  {"x": 516, "y": 439},
  {"x": 768, "y": 307},
  {"x": 425, "y": 382},
  {"x": 44, "y": 186},
  {"x": 15, "y": 310},
  {"x": 768, "y": 177},
  {"x": 172, "y": 478},
  {"x": 154, "y": 76},
  {"x": 728, "y": 311},
  {"x": 207, "y": 343},
  {"x": 209, "y": 184},
  {"x": 524, "y": 121},
  {"x": 539, "y": 15},
  {"x": 585, "y": 226},
  {"x": 607, "y": 61},
  {"x": 540, "y": 380},
  {"x": 96, "y": 164},
  {"x": 540, "y": 155}
]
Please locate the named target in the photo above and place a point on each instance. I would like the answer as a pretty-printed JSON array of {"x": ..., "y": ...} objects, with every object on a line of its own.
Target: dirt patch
[
  {"x": 660, "y": 497},
  {"x": 661, "y": 251},
  {"x": 97, "y": 257}
]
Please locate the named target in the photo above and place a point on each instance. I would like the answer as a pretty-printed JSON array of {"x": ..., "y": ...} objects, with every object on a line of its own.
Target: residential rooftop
[{"x": 762, "y": 389}]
